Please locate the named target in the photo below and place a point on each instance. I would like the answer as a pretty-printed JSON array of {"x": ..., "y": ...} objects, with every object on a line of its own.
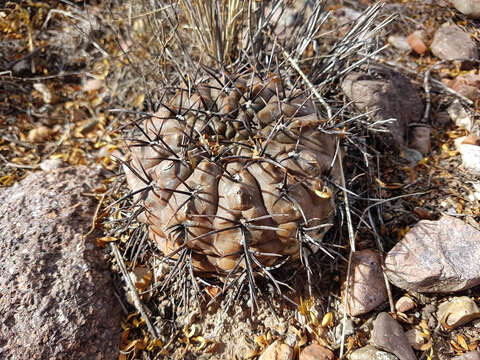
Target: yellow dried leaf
[
  {"x": 104, "y": 240},
  {"x": 154, "y": 344},
  {"x": 7, "y": 180},
  {"x": 462, "y": 342},
  {"x": 139, "y": 100},
  {"x": 325, "y": 193},
  {"x": 327, "y": 319},
  {"x": 426, "y": 346},
  {"x": 456, "y": 346}
]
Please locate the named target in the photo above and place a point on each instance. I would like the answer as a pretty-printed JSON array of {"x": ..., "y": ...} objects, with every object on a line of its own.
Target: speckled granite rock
[{"x": 56, "y": 298}]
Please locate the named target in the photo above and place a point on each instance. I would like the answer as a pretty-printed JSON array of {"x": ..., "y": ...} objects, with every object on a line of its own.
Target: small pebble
[
  {"x": 404, "y": 304},
  {"x": 399, "y": 42},
  {"x": 51, "y": 164},
  {"x": 412, "y": 156},
  {"x": 417, "y": 43}
]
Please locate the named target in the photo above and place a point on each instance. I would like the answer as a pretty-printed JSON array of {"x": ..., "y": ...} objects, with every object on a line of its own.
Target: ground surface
[{"x": 64, "y": 67}]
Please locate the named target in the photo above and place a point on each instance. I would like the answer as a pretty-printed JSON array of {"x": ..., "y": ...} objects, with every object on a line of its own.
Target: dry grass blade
[{"x": 216, "y": 25}]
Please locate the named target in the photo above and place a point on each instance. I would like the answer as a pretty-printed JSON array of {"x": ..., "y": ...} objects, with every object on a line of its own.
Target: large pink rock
[
  {"x": 56, "y": 296},
  {"x": 436, "y": 256}
]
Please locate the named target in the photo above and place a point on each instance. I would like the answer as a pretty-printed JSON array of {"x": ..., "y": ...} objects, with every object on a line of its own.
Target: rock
[
  {"x": 93, "y": 84},
  {"x": 467, "y": 85},
  {"x": 404, "y": 304},
  {"x": 436, "y": 256},
  {"x": 443, "y": 118},
  {"x": 472, "y": 355},
  {"x": 420, "y": 139},
  {"x": 460, "y": 116},
  {"x": 415, "y": 339},
  {"x": 388, "y": 335},
  {"x": 316, "y": 352},
  {"x": 411, "y": 155},
  {"x": 390, "y": 94},
  {"x": 450, "y": 42},
  {"x": 370, "y": 352},
  {"x": 457, "y": 312},
  {"x": 57, "y": 301},
  {"x": 399, "y": 42},
  {"x": 470, "y": 151},
  {"x": 277, "y": 351},
  {"x": 470, "y": 8},
  {"x": 367, "y": 284},
  {"x": 349, "y": 329},
  {"x": 416, "y": 41},
  {"x": 51, "y": 164}
]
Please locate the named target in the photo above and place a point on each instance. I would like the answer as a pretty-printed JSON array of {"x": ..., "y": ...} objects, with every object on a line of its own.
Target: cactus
[{"x": 236, "y": 170}]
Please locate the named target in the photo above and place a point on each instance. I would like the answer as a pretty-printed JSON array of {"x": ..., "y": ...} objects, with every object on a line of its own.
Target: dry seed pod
[{"x": 234, "y": 170}]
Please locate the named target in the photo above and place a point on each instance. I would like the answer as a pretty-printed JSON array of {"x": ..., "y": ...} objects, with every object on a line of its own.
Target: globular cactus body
[{"x": 231, "y": 166}]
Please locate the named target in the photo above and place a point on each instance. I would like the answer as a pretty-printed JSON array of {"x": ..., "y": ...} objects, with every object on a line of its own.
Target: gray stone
[
  {"x": 349, "y": 329},
  {"x": 367, "y": 288},
  {"x": 388, "y": 335},
  {"x": 450, "y": 42},
  {"x": 470, "y": 8},
  {"x": 412, "y": 156},
  {"x": 51, "y": 164},
  {"x": 390, "y": 95},
  {"x": 436, "y": 256},
  {"x": 399, "y": 42},
  {"x": 370, "y": 352},
  {"x": 56, "y": 298}
]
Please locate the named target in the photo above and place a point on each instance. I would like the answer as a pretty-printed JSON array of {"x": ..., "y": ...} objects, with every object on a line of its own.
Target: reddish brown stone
[
  {"x": 417, "y": 43},
  {"x": 467, "y": 85},
  {"x": 367, "y": 284},
  {"x": 316, "y": 352}
]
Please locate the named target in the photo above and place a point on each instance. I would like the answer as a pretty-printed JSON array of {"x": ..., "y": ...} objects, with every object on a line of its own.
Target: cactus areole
[{"x": 236, "y": 169}]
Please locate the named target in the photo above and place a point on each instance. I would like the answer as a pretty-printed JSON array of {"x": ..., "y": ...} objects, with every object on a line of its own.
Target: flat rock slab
[
  {"x": 436, "y": 256},
  {"x": 389, "y": 95},
  {"x": 56, "y": 297}
]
